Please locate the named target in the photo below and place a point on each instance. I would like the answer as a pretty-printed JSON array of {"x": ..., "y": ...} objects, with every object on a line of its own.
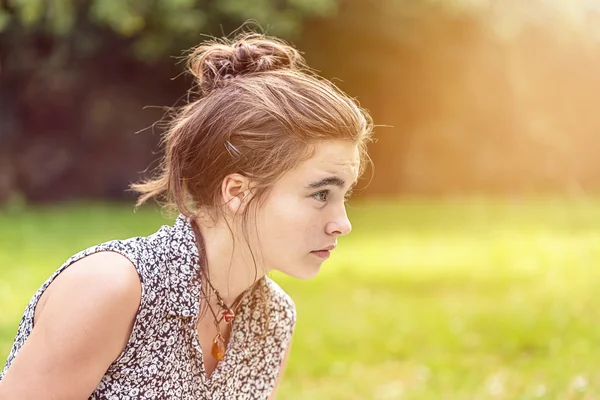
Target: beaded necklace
[{"x": 225, "y": 312}]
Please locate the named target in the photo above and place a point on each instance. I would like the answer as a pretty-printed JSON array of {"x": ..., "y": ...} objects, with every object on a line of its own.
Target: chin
[
  {"x": 308, "y": 274},
  {"x": 303, "y": 272}
]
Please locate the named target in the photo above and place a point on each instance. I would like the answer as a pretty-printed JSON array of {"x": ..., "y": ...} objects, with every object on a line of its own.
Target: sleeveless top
[{"x": 162, "y": 358}]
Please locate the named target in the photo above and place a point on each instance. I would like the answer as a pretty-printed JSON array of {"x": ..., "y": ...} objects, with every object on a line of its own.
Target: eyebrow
[{"x": 329, "y": 181}]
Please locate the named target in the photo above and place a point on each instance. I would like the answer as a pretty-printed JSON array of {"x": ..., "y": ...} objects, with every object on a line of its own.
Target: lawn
[{"x": 426, "y": 299}]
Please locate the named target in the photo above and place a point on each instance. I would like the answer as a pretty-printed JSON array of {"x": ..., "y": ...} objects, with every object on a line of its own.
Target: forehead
[{"x": 336, "y": 157}]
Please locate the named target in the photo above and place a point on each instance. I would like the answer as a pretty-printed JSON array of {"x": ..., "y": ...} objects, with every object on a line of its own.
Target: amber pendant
[
  {"x": 218, "y": 347},
  {"x": 228, "y": 315}
]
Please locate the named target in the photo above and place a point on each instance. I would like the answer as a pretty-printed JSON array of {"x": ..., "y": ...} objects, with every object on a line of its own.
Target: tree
[{"x": 73, "y": 72}]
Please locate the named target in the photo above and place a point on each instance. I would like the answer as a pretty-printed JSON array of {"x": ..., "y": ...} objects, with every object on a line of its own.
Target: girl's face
[{"x": 305, "y": 211}]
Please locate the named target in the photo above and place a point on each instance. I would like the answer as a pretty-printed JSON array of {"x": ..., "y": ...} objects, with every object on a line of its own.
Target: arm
[
  {"x": 281, "y": 371},
  {"x": 83, "y": 327}
]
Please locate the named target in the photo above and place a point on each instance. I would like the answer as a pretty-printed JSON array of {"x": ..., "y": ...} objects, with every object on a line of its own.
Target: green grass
[{"x": 447, "y": 299}]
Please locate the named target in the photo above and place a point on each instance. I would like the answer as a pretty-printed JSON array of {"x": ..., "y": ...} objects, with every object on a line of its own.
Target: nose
[{"x": 340, "y": 225}]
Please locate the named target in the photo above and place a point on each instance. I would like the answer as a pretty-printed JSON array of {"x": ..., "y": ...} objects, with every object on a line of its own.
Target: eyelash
[{"x": 327, "y": 192}]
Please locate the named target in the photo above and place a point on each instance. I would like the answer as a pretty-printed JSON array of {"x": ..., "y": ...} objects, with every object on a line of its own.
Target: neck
[{"x": 231, "y": 269}]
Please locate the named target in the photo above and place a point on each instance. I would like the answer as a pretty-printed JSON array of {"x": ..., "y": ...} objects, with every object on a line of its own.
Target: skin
[
  {"x": 74, "y": 342},
  {"x": 293, "y": 221}
]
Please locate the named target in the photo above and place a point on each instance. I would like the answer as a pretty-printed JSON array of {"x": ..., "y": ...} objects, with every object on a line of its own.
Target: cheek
[{"x": 290, "y": 223}]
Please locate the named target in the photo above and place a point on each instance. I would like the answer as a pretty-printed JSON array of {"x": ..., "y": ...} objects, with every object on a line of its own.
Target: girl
[{"x": 258, "y": 168}]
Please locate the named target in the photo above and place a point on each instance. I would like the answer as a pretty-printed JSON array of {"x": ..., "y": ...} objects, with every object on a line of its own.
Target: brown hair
[{"x": 259, "y": 110}]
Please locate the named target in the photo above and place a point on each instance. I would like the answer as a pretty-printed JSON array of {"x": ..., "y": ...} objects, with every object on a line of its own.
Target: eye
[{"x": 321, "y": 196}]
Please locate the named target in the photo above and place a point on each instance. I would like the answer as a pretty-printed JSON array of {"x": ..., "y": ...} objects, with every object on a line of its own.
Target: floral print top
[{"x": 163, "y": 357}]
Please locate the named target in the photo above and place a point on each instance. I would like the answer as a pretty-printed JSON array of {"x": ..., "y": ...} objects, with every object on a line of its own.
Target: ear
[{"x": 235, "y": 191}]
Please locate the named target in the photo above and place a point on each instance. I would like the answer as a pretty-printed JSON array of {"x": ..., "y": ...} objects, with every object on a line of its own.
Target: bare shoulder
[
  {"x": 102, "y": 290},
  {"x": 107, "y": 275},
  {"x": 109, "y": 267},
  {"x": 101, "y": 285},
  {"x": 80, "y": 329}
]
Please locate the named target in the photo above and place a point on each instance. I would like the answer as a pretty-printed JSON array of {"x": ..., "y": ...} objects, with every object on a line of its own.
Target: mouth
[{"x": 323, "y": 253}]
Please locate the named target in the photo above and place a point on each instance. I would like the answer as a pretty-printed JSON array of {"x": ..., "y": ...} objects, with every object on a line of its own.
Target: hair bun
[{"x": 215, "y": 62}]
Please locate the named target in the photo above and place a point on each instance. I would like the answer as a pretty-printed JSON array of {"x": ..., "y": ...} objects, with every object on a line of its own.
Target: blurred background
[{"x": 471, "y": 272}]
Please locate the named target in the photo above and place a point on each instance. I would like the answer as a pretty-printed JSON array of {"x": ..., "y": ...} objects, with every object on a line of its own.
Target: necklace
[{"x": 226, "y": 313}]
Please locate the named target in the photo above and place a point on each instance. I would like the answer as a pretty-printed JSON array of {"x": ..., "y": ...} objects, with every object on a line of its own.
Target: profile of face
[{"x": 305, "y": 212}]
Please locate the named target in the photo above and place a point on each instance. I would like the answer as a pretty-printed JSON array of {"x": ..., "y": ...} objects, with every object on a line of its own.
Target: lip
[
  {"x": 324, "y": 253},
  {"x": 329, "y": 248}
]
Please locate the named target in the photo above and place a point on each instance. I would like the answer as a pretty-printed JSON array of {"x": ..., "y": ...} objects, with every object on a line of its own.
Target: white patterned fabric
[{"x": 163, "y": 358}]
